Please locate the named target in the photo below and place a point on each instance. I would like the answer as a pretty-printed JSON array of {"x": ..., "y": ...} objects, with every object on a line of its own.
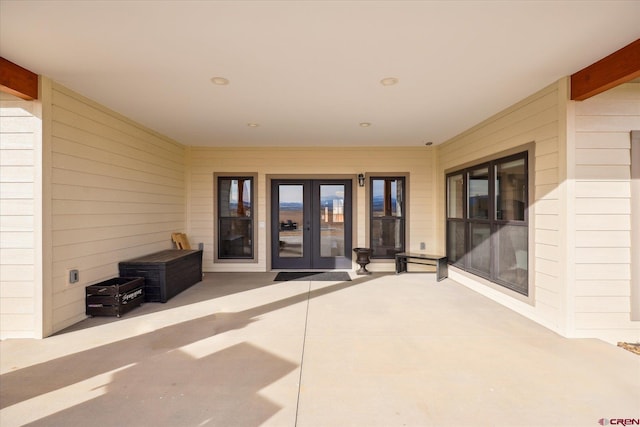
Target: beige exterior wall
[
  {"x": 204, "y": 162},
  {"x": 602, "y": 217},
  {"x": 538, "y": 121},
  {"x": 20, "y": 215},
  {"x": 101, "y": 188},
  {"x": 115, "y": 190}
]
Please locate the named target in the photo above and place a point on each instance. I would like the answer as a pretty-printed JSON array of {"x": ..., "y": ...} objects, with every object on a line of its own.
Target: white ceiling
[{"x": 308, "y": 72}]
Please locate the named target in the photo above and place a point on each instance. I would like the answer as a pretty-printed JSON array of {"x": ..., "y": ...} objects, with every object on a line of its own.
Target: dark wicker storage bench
[{"x": 166, "y": 273}]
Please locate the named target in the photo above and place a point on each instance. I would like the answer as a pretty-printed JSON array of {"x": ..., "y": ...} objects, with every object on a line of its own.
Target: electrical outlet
[
  {"x": 74, "y": 276},
  {"x": 423, "y": 246}
]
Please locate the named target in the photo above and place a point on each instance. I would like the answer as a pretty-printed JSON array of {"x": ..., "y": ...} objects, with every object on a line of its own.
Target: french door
[{"x": 311, "y": 224}]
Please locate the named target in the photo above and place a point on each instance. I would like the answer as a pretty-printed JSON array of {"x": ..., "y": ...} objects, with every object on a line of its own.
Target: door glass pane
[
  {"x": 478, "y": 190},
  {"x": 511, "y": 190},
  {"x": 386, "y": 237},
  {"x": 455, "y": 196},
  {"x": 291, "y": 217},
  {"x": 512, "y": 262},
  {"x": 331, "y": 220},
  {"x": 480, "y": 250}
]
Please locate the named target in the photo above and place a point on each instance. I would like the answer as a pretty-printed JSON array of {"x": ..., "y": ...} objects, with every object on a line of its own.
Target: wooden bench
[{"x": 402, "y": 258}]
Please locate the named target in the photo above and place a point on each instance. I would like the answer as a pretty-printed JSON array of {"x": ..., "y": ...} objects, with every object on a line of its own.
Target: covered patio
[{"x": 239, "y": 349}]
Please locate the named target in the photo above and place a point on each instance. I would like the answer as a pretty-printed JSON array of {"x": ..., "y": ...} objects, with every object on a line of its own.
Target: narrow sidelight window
[
  {"x": 387, "y": 216},
  {"x": 235, "y": 217},
  {"x": 487, "y": 221}
]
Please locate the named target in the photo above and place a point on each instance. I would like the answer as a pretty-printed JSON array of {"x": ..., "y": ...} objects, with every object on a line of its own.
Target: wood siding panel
[
  {"x": 602, "y": 189},
  {"x": 603, "y": 271},
  {"x": 608, "y": 156},
  {"x": 603, "y": 239},
  {"x": 605, "y": 324},
  {"x": 17, "y": 141},
  {"x": 602, "y": 172},
  {"x": 613, "y": 140},
  {"x": 603, "y": 208},
  {"x": 118, "y": 191},
  {"x": 545, "y": 297},
  {"x": 599, "y": 287},
  {"x": 547, "y": 222},
  {"x": 19, "y": 131},
  {"x": 603, "y": 222},
  {"x": 17, "y": 174},
  {"x": 606, "y": 123},
  {"x": 135, "y": 244},
  {"x": 608, "y": 255},
  {"x": 547, "y": 207},
  {"x": 594, "y": 304},
  {"x": 12, "y": 157}
]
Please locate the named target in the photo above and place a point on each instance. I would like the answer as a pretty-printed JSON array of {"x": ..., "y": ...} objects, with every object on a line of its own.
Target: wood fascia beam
[
  {"x": 18, "y": 81},
  {"x": 619, "y": 67}
]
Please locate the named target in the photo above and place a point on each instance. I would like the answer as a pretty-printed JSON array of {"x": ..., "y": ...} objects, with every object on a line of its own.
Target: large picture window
[
  {"x": 235, "y": 217},
  {"x": 487, "y": 221},
  {"x": 387, "y": 216}
]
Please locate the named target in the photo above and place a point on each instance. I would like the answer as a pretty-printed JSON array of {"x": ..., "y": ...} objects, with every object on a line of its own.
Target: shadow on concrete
[{"x": 157, "y": 381}]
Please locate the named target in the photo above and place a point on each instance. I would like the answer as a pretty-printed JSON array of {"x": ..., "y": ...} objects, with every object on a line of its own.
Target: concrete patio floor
[{"x": 238, "y": 349}]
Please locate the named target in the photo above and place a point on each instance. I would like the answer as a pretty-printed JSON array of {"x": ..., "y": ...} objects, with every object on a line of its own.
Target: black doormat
[{"x": 325, "y": 276}]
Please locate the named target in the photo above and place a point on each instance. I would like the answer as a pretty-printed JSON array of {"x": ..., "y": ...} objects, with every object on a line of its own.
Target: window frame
[
  {"x": 218, "y": 178},
  {"x": 402, "y": 218},
  {"x": 635, "y": 225},
  {"x": 495, "y": 224}
]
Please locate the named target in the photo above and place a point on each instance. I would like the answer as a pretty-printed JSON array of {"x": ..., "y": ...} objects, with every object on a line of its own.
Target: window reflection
[
  {"x": 455, "y": 205},
  {"x": 492, "y": 241},
  {"x": 478, "y": 191},
  {"x": 235, "y": 217},
  {"x": 387, "y": 216},
  {"x": 511, "y": 190},
  {"x": 331, "y": 220},
  {"x": 291, "y": 216}
]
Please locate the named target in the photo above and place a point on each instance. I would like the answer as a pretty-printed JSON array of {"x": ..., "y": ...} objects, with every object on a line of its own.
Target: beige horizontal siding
[
  {"x": 603, "y": 213},
  {"x": 602, "y": 239},
  {"x": 118, "y": 191},
  {"x": 205, "y": 162},
  {"x": 598, "y": 140},
  {"x": 596, "y": 288},
  {"x": 19, "y": 131},
  {"x": 602, "y": 172},
  {"x": 606, "y": 325},
  {"x": 616, "y": 255}
]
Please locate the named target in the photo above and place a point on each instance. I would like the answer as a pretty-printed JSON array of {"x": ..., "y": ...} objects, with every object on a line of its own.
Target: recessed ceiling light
[
  {"x": 253, "y": 125},
  {"x": 389, "y": 81},
  {"x": 220, "y": 81},
  {"x": 365, "y": 124}
]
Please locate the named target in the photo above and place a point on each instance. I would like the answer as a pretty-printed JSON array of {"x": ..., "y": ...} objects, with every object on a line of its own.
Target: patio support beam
[
  {"x": 18, "y": 81},
  {"x": 617, "y": 68}
]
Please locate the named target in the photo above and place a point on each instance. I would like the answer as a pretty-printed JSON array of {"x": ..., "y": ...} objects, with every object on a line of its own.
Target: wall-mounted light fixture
[{"x": 361, "y": 180}]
